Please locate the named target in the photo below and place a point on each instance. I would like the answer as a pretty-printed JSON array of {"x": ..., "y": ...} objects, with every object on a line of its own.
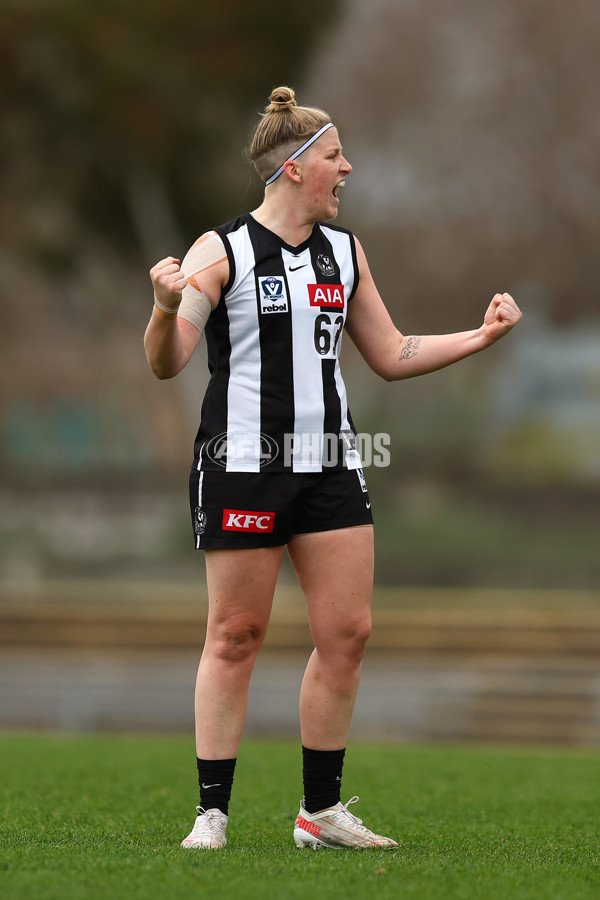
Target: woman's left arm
[{"x": 393, "y": 355}]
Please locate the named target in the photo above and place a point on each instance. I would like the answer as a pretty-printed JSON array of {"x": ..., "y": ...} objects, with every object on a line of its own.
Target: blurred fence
[{"x": 500, "y": 665}]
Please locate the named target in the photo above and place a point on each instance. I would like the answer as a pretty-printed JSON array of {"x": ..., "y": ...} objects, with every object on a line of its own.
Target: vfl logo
[
  {"x": 273, "y": 298},
  {"x": 325, "y": 265},
  {"x": 246, "y": 520},
  {"x": 328, "y": 295},
  {"x": 363, "y": 483}
]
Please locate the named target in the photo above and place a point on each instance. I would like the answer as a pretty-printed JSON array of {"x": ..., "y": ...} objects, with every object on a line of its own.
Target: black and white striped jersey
[{"x": 276, "y": 400}]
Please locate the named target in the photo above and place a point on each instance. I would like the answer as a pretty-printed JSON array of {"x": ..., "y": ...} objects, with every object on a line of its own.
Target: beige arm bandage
[{"x": 195, "y": 306}]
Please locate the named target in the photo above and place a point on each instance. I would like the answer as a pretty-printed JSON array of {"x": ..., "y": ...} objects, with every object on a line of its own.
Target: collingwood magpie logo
[
  {"x": 325, "y": 265},
  {"x": 273, "y": 297},
  {"x": 199, "y": 521}
]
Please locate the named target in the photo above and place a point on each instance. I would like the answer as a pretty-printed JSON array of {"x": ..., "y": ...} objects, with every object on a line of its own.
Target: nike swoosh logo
[
  {"x": 207, "y": 786},
  {"x": 295, "y": 268}
]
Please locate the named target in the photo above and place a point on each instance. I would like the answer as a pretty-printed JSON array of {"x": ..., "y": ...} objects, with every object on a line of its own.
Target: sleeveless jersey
[{"x": 276, "y": 401}]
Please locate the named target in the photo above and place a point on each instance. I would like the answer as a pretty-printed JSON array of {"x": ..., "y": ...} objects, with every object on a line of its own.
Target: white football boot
[
  {"x": 208, "y": 831},
  {"x": 336, "y": 828}
]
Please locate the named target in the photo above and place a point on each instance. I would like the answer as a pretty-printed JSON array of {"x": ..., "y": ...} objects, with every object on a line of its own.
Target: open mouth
[{"x": 337, "y": 187}]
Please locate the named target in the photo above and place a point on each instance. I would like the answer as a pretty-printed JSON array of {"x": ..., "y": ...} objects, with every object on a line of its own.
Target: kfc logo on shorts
[
  {"x": 327, "y": 295},
  {"x": 248, "y": 521}
]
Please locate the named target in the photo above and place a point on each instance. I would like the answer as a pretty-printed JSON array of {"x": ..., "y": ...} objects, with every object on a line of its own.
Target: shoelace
[
  {"x": 355, "y": 819},
  {"x": 209, "y": 821}
]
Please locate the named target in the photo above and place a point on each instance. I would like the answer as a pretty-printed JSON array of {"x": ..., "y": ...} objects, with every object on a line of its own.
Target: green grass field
[{"x": 102, "y": 817}]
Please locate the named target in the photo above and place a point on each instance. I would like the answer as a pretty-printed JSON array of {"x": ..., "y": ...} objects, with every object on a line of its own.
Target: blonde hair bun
[
  {"x": 282, "y": 128},
  {"x": 281, "y": 98}
]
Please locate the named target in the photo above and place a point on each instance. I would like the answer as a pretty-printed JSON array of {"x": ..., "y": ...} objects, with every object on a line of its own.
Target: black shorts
[{"x": 244, "y": 509}]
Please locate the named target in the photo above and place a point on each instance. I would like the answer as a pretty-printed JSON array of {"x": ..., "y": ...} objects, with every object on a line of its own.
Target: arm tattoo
[{"x": 411, "y": 348}]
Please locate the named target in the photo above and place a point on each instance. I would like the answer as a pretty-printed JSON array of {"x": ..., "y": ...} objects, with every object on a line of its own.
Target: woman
[{"x": 275, "y": 464}]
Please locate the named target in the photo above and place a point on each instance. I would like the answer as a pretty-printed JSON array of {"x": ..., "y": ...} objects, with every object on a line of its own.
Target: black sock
[
  {"x": 215, "y": 778},
  {"x": 322, "y": 774}
]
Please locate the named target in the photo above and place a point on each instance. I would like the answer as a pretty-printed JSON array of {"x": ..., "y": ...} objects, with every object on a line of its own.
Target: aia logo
[
  {"x": 328, "y": 295},
  {"x": 247, "y": 520}
]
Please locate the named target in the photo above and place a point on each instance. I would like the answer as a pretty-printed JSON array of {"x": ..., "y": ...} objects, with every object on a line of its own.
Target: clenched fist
[
  {"x": 168, "y": 281},
  {"x": 502, "y": 314}
]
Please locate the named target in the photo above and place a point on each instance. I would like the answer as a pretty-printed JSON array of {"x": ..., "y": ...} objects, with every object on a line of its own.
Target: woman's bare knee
[
  {"x": 347, "y": 639},
  {"x": 235, "y": 640}
]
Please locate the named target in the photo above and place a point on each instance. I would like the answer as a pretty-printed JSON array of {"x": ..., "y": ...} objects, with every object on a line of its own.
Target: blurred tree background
[{"x": 475, "y": 136}]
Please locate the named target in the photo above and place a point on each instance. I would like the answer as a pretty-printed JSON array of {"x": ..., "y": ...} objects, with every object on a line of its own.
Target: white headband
[{"x": 300, "y": 150}]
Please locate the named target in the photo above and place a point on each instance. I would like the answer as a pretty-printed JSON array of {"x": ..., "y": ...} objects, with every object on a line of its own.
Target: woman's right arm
[
  {"x": 170, "y": 340},
  {"x": 168, "y": 345}
]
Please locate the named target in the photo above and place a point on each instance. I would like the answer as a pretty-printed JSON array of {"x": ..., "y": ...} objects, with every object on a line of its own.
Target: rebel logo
[
  {"x": 248, "y": 521},
  {"x": 273, "y": 297},
  {"x": 330, "y": 296}
]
